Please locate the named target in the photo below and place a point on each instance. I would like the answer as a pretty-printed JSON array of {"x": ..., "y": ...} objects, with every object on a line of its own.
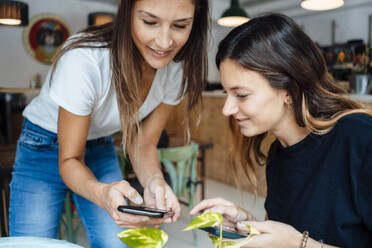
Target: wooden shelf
[{"x": 19, "y": 90}]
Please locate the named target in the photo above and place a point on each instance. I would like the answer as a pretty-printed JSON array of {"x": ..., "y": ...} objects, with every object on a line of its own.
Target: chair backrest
[{"x": 180, "y": 162}]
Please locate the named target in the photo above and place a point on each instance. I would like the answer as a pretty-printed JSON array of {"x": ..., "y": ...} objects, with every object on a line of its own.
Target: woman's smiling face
[
  {"x": 251, "y": 100},
  {"x": 160, "y": 28}
]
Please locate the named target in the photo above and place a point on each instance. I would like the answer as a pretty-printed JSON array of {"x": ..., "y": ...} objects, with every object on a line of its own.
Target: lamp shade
[
  {"x": 100, "y": 18},
  {"x": 321, "y": 4},
  {"x": 13, "y": 13},
  {"x": 233, "y": 16}
]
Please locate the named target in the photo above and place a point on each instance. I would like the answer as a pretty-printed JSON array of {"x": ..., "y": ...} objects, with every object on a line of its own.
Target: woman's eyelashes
[
  {"x": 152, "y": 23},
  {"x": 241, "y": 96},
  {"x": 149, "y": 22},
  {"x": 180, "y": 26},
  {"x": 237, "y": 95}
]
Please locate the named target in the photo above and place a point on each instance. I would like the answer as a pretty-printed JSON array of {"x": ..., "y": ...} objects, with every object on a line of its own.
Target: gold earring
[{"x": 288, "y": 104}]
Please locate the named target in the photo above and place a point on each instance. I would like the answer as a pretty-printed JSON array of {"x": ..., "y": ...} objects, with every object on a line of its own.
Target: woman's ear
[{"x": 287, "y": 98}]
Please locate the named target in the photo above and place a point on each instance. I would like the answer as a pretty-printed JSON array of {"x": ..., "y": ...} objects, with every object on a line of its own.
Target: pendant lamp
[
  {"x": 233, "y": 16},
  {"x": 13, "y": 13},
  {"x": 100, "y": 18},
  {"x": 321, "y": 4}
]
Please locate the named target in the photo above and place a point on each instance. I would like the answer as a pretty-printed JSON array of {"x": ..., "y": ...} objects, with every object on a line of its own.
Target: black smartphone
[
  {"x": 227, "y": 232},
  {"x": 142, "y": 210}
]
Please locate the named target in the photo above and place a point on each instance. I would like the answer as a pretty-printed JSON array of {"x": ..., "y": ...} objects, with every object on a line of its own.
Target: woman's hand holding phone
[
  {"x": 146, "y": 211},
  {"x": 158, "y": 194},
  {"x": 114, "y": 195},
  {"x": 227, "y": 232}
]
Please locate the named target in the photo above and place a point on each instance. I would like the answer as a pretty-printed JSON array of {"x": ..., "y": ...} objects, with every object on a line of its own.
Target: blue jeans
[{"x": 37, "y": 192}]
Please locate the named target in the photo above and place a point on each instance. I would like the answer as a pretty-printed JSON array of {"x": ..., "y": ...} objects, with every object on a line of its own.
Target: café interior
[{"x": 343, "y": 34}]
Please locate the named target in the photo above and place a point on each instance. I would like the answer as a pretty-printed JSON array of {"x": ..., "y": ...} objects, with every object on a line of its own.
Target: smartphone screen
[
  {"x": 145, "y": 211},
  {"x": 227, "y": 232}
]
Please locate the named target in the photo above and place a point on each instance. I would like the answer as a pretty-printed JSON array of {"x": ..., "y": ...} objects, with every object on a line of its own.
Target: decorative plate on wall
[{"x": 44, "y": 35}]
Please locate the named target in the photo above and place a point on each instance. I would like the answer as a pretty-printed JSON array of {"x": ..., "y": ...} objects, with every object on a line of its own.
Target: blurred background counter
[{"x": 12, "y": 103}]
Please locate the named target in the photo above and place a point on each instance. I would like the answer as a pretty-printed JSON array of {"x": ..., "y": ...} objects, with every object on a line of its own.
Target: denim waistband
[
  {"x": 99, "y": 141},
  {"x": 28, "y": 125}
]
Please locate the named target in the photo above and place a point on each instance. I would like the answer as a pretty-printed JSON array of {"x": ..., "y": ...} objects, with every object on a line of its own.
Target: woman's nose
[
  {"x": 230, "y": 107},
  {"x": 164, "y": 39}
]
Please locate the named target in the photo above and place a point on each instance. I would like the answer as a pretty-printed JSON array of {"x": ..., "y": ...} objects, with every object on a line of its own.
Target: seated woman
[{"x": 319, "y": 168}]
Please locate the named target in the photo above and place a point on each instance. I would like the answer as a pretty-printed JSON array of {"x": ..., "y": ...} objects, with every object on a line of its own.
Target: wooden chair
[{"x": 180, "y": 163}]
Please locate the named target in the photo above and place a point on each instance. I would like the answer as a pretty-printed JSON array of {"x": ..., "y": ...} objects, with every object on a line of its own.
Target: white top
[{"x": 82, "y": 85}]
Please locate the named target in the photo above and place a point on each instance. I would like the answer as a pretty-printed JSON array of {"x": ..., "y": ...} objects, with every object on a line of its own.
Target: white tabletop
[{"x": 35, "y": 242}]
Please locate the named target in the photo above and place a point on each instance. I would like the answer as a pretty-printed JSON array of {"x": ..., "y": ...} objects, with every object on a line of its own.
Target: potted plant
[{"x": 148, "y": 237}]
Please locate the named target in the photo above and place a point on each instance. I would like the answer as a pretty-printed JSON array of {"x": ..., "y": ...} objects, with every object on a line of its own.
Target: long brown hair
[
  {"x": 275, "y": 46},
  {"x": 126, "y": 62}
]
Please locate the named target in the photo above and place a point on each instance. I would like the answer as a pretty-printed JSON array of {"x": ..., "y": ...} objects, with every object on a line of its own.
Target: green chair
[
  {"x": 70, "y": 219},
  {"x": 180, "y": 163}
]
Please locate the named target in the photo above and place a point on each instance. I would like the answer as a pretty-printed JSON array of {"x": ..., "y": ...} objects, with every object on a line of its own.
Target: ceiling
[
  {"x": 245, "y": 3},
  {"x": 290, "y": 7},
  {"x": 256, "y": 7},
  {"x": 218, "y": 6}
]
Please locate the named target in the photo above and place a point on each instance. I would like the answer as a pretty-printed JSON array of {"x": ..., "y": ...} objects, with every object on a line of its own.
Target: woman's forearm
[
  {"x": 146, "y": 165},
  {"x": 80, "y": 179}
]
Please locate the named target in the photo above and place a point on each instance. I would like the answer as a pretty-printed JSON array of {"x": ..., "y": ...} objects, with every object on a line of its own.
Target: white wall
[
  {"x": 16, "y": 65},
  {"x": 351, "y": 22},
  {"x": 351, "y": 19},
  {"x": 216, "y": 35}
]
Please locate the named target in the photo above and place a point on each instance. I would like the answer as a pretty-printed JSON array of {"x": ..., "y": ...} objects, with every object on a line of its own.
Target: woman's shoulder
[
  {"x": 357, "y": 127},
  {"x": 91, "y": 51},
  {"x": 356, "y": 121},
  {"x": 84, "y": 60}
]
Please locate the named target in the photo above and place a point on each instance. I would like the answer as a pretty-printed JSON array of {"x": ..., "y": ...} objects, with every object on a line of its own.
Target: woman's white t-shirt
[{"x": 82, "y": 85}]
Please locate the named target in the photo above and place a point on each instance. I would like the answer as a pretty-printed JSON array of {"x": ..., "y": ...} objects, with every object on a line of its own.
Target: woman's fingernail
[
  {"x": 139, "y": 200},
  {"x": 168, "y": 221},
  {"x": 241, "y": 224}
]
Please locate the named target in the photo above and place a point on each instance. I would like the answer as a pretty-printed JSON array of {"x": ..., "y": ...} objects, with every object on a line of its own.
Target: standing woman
[
  {"x": 319, "y": 168},
  {"x": 122, "y": 76}
]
